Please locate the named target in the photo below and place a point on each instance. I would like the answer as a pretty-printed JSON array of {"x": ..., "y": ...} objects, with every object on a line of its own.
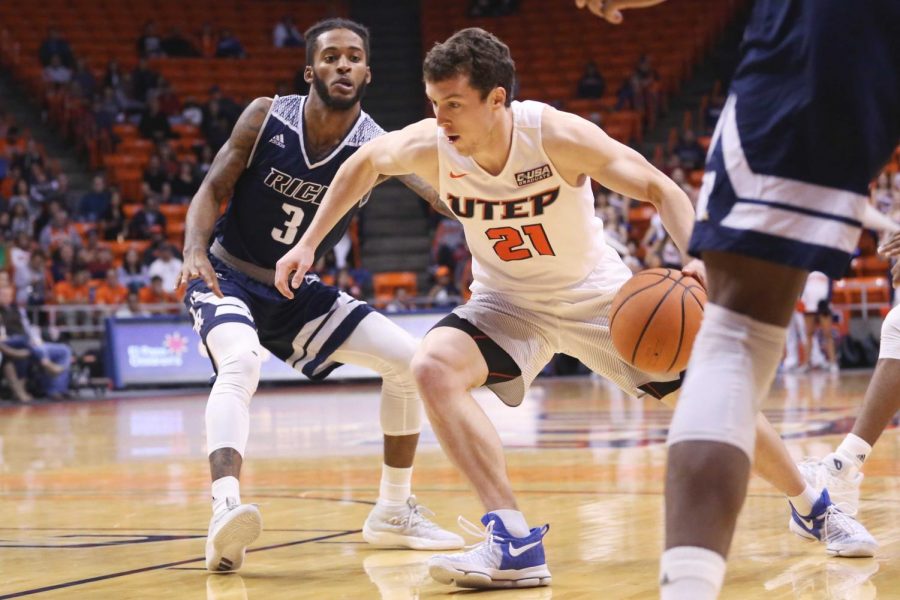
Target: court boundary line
[{"x": 97, "y": 578}]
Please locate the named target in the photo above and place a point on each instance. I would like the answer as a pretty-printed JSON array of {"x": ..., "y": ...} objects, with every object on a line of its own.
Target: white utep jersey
[{"x": 528, "y": 230}]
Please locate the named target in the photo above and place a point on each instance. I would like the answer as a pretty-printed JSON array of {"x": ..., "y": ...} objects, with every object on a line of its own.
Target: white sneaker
[
  {"x": 845, "y": 536},
  {"x": 407, "y": 527},
  {"x": 230, "y": 532},
  {"x": 839, "y": 476},
  {"x": 498, "y": 561}
]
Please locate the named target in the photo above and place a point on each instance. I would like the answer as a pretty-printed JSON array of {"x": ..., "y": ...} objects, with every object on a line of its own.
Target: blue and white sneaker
[
  {"x": 498, "y": 561},
  {"x": 842, "y": 534}
]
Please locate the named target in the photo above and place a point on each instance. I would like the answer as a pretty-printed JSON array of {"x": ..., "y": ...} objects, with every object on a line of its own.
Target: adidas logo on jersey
[{"x": 278, "y": 140}]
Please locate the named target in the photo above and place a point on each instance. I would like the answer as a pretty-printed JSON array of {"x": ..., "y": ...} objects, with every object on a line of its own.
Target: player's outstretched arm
[
  {"x": 611, "y": 10},
  {"x": 578, "y": 148},
  {"x": 428, "y": 193},
  {"x": 217, "y": 186},
  {"x": 409, "y": 150}
]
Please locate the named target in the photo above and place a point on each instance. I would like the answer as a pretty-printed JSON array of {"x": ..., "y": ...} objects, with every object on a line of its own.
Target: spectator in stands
[
  {"x": 132, "y": 307},
  {"x": 149, "y": 45},
  {"x": 207, "y": 40},
  {"x": 630, "y": 96},
  {"x": 113, "y": 76},
  {"x": 185, "y": 184},
  {"x": 95, "y": 203},
  {"x": 169, "y": 104},
  {"x": 143, "y": 81},
  {"x": 679, "y": 177},
  {"x": 713, "y": 109},
  {"x": 33, "y": 282},
  {"x": 443, "y": 293},
  {"x": 156, "y": 178},
  {"x": 20, "y": 250},
  {"x": 111, "y": 292},
  {"x": 168, "y": 159},
  {"x": 63, "y": 194},
  {"x": 107, "y": 111},
  {"x": 20, "y": 220},
  {"x": 192, "y": 112},
  {"x": 112, "y": 223},
  {"x": 176, "y": 45},
  {"x": 286, "y": 35},
  {"x": 77, "y": 290},
  {"x": 448, "y": 243},
  {"x": 154, "y": 124},
  {"x": 54, "y": 360},
  {"x": 689, "y": 151},
  {"x": 205, "y": 160},
  {"x": 43, "y": 186},
  {"x": 146, "y": 220},
  {"x": 101, "y": 262},
  {"x": 631, "y": 258},
  {"x": 592, "y": 84},
  {"x": 400, "y": 302},
  {"x": 347, "y": 284},
  {"x": 27, "y": 158},
  {"x": 216, "y": 127},
  {"x": 167, "y": 266},
  {"x": 84, "y": 78},
  {"x": 229, "y": 46},
  {"x": 881, "y": 197},
  {"x": 157, "y": 240},
  {"x": 56, "y": 73},
  {"x": 230, "y": 109},
  {"x": 22, "y": 195},
  {"x": 55, "y": 45},
  {"x": 156, "y": 293},
  {"x": 133, "y": 272},
  {"x": 58, "y": 231},
  {"x": 64, "y": 261}
]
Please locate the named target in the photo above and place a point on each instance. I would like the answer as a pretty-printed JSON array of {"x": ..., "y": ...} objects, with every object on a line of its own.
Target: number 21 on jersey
[
  {"x": 510, "y": 244},
  {"x": 291, "y": 226}
]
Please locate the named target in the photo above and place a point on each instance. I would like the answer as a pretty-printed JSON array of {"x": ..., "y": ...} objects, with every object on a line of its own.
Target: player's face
[
  {"x": 468, "y": 120},
  {"x": 340, "y": 72}
]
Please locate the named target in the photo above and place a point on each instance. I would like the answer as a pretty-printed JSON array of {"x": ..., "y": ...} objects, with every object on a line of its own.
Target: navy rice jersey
[{"x": 277, "y": 196}]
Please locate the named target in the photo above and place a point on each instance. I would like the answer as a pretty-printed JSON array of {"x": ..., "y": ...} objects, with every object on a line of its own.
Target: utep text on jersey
[{"x": 277, "y": 196}]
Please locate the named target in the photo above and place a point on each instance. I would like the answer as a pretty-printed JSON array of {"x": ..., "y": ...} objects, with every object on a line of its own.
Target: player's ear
[
  {"x": 308, "y": 74},
  {"x": 368, "y": 75},
  {"x": 497, "y": 97}
]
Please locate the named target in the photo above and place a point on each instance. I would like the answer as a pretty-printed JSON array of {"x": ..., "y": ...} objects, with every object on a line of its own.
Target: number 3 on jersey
[
  {"x": 289, "y": 233},
  {"x": 510, "y": 244}
]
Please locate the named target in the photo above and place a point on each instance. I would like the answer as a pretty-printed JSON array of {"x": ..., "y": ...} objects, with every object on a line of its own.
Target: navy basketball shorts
[
  {"x": 302, "y": 332},
  {"x": 813, "y": 114}
]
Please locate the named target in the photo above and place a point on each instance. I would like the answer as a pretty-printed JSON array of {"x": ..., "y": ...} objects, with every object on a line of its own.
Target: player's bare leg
[{"x": 446, "y": 367}]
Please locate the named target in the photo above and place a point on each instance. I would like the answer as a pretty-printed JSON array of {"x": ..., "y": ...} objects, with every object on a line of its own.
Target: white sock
[
  {"x": 222, "y": 488},
  {"x": 855, "y": 449},
  {"x": 514, "y": 521},
  {"x": 395, "y": 485},
  {"x": 803, "y": 503},
  {"x": 691, "y": 573}
]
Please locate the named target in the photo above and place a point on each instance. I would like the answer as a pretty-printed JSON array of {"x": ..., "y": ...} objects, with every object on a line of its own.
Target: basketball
[{"x": 654, "y": 319}]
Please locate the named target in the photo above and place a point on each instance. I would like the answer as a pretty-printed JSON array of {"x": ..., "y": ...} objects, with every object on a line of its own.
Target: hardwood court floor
[{"x": 109, "y": 498}]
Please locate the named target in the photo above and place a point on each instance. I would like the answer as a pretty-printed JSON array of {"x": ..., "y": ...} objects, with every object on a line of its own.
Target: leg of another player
[
  {"x": 712, "y": 436},
  {"x": 447, "y": 367},
  {"x": 235, "y": 349},
  {"x": 379, "y": 344},
  {"x": 881, "y": 403}
]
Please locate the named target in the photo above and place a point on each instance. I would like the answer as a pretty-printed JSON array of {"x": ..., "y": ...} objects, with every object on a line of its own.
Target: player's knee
[
  {"x": 240, "y": 368},
  {"x": 433, "y": 374},
  {"x": 890, "y": 335}
]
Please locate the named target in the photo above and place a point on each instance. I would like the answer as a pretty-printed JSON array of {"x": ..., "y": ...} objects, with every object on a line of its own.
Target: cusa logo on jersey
[
  {"x": 518, "y": 208},
  {"x": 532, "y": 175},
  {"x": 294, "y": 187}
]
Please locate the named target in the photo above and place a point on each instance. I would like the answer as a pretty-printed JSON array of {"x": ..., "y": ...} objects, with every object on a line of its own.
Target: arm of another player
[
  {"x": 217, "y": 186},
  {"x": 428, "y": 193},
  {"x": 611, "y": 9},
  {"x": 410, "y": 150},
  {"x": 578, "y": 147}
]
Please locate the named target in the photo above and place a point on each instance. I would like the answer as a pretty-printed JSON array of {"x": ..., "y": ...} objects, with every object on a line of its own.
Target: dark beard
[{"x": 337, "y": 103}]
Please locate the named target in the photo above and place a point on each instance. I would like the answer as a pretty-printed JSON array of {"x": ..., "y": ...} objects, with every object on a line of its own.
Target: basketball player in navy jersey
[
  {"x": 812, "y": 116},
  {"x": 274, "y": 169},
  {"x": 517, "y": 176}
]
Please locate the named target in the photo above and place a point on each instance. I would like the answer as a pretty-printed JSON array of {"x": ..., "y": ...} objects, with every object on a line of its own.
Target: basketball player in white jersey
[{"x": 516, "y": 174}]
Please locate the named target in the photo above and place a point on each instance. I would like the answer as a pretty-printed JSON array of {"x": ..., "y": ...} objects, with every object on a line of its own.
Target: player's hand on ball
[
  {"x": 293, "y": 266},
  {"x": 697, "y": 270},
  {"x": 611, "y": 10},
  {"x": 197, "y": 266}
]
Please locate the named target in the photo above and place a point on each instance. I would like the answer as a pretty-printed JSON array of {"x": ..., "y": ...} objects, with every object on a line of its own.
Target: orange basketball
[{"x": 654, "y": 319}]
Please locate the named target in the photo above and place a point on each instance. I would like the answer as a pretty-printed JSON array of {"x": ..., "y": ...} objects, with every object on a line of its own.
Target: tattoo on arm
[
  {"x": 231, "y": 160},
  {"x": 424, "y": 190}
]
